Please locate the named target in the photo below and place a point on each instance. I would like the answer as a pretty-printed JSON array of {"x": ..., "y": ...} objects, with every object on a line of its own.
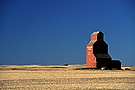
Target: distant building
[{"x": 97, "y": 53}]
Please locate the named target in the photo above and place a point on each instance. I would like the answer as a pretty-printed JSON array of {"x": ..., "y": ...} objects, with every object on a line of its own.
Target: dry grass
[{"x": 58, "y": 77}]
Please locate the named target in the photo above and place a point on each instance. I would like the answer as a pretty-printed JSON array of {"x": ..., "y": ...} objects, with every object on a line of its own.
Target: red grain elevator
[{"x": 97, "y": 53}]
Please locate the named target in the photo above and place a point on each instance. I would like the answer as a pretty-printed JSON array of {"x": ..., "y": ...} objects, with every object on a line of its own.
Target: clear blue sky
[{"x": 57, "y": 31}]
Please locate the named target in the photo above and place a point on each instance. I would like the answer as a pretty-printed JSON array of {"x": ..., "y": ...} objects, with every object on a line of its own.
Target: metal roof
[
  {"x": 95, "y": 33},
  {"x": 91, "y": 42},
  {"x": 102, "y": 56}
]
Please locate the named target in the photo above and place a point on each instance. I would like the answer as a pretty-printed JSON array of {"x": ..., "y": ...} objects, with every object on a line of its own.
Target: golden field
[{"x": 60, "y": 77}]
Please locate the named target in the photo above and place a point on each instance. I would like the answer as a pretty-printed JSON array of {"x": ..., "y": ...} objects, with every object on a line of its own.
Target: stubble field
[{"x": 59, "y": 77}]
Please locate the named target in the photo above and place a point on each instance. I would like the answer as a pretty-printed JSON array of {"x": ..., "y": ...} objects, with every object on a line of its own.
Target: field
[{"x": 60, "y": 77}]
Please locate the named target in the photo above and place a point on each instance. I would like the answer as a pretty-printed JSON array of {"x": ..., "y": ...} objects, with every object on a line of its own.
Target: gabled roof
[
  {"x": 91, "y": 42},
  {"x": 95, "y": 33},
  {"x": 102, "y": 56}
]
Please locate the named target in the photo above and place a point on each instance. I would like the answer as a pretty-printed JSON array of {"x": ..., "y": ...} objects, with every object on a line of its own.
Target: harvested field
[{"x": 59, "y": 77}]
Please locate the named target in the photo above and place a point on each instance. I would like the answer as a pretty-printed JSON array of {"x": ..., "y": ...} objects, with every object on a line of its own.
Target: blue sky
[{"x": 57, "y": 31}]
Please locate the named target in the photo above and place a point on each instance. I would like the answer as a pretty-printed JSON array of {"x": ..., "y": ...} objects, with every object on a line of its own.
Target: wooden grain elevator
[{"x": 97, "y": 53}]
